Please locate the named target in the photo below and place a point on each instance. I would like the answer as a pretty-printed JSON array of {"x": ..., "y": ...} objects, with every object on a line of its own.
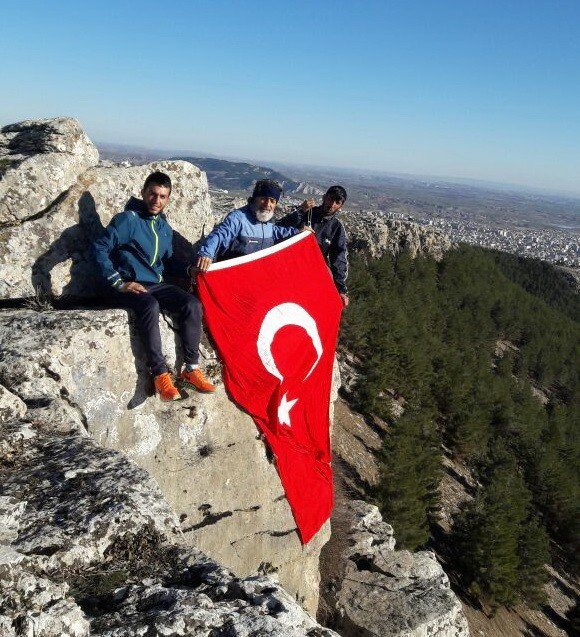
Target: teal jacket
[{"x": 136, "y": 246}]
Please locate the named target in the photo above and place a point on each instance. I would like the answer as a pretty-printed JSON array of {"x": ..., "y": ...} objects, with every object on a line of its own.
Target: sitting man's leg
[
  {"x": 188, "y": 307},
  {"x": 146, "y": 310}
]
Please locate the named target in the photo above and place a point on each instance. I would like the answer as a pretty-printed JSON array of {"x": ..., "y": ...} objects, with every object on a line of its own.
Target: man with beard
[
  {"x": 247, "y": 229},
  {"x": 329, "y": 232}
]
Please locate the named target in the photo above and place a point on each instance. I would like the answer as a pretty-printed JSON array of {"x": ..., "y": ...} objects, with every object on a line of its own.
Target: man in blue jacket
[
  {"x": 247, "y": 229},
  {"x": 329, "y": 232},
  {"x": 133, "y": 253}
]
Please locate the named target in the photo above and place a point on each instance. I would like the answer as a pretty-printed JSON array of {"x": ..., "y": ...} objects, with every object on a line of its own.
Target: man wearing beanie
[
  {"x": 247, "y": 229},
  {"x": 329, "y": 232}
]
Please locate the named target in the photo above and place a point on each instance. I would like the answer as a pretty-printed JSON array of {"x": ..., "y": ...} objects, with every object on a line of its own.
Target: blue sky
[{"x": 484, "y": 89}]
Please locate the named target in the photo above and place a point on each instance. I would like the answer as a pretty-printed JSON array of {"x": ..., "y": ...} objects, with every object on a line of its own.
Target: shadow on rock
[{"x": 80, "y": 278}]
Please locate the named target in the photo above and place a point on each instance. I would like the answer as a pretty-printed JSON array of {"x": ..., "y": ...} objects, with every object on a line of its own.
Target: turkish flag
[{"x": 274, "y": 317}]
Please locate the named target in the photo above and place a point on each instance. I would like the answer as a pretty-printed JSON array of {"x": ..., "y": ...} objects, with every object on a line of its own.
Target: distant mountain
[{"x": 235, "y": 175}]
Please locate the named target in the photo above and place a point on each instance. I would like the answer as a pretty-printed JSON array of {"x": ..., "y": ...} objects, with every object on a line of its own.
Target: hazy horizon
[
  {"x": 273, "y": 163},
  {"x": 479, "y": 91}
]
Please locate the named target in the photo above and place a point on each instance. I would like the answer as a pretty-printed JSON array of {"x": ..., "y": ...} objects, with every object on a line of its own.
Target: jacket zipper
[
  {"x": 156, "y": 246},
  {"x": 156, "y": 242}
]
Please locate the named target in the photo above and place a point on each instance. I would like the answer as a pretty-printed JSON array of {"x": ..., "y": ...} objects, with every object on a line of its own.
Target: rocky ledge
[
  {"x": 385, "y": 592},
  {"x": 87, "y": 546}
]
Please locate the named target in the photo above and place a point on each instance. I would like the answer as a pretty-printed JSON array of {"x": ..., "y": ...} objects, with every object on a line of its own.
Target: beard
[{"x": 264, "y": 215}]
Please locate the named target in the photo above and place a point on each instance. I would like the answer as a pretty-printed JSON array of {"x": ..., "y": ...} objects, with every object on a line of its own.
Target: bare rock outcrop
[
  {"x": 88, "y": 548},
  {"x": 376, "y": 235},
  {"x": 50, "y": 254},
  {"x": 39, "y": 160},
  {"x": 87, "y": 367},
  {"x": 385, "y": 592}
]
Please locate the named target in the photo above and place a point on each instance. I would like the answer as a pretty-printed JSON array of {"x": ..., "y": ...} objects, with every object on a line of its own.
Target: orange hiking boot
[
  {"x": 197, "y": 380},
  {"x": 165, "y": 388}
]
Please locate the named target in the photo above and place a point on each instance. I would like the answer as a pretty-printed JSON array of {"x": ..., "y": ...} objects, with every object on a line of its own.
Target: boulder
[
  {"x": 50, "y": 254},
  {"x": 386, "y": 593},
  {"x": 39, "y": 160},
  {"x": 87, "y": 368}
]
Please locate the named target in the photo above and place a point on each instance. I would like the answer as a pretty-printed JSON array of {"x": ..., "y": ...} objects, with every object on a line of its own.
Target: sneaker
[
  {"x": 197, "y": 380},
  {"x": 165, "y": 388}
]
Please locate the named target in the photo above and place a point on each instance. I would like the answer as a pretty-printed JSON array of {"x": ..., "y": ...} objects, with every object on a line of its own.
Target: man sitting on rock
[
  {"x": 329, "y": 232},
  {"x": 133, "y": 253},
  {"x": 247, "y": 229}
]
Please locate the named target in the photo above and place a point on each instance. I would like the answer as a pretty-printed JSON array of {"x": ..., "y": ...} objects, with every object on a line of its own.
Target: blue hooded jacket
[
  {"x": 241, "y": 233},
  {"x": 136, "y": 246}
]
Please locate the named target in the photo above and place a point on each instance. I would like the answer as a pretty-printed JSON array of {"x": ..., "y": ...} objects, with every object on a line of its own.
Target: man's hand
[
  {"x": 203, "y": 263},
  {"x": 307, "y": 229},
  {"x": 306, "y": 205},
  {"x": 345, "y": 300},
  {"x": 134, "y": 287}
]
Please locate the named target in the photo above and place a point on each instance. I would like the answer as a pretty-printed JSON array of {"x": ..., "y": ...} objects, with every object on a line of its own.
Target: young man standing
[
  {"x": 247, "y": 229},
  {"x": 133, "y": 253},
  {"x": 329, "y": 232}
]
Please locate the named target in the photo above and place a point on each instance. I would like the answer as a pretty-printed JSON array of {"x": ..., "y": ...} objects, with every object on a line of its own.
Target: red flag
[{"x": 274, "y": 317}]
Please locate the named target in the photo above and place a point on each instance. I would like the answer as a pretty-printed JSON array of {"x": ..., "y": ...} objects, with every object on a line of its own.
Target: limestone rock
[
  {"x": 210, "y": 602},
  {"x": 50, "y": 254},
  {"x": 39, "y": 160},
  {"x": 393, "y": 593},
  {"x": 11, "y": 407},
  {"x": 85, "y": 521},
  {"x": 33, "y": 605},
  {"x": 376, "y": 235},
  {"x": 77, "y": 499},
  {"x": 205, "y": 453}
]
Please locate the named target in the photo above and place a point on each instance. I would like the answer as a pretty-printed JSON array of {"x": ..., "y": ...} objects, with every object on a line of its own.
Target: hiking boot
[
  {"x": 165, "y": 388},
  {"x": 197, "y": 380}
]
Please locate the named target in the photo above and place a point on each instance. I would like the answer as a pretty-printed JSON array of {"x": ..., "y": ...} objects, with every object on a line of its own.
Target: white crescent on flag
[{"x": 277, "y": 318}]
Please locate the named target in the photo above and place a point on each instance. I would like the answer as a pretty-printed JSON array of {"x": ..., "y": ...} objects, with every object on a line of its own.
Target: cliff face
[
  {"x": 100, "y": 481},
  {"x": 88, "y": 546},
  {"x": 375, "y": 235},
  {"x": 86, "y": 367}
]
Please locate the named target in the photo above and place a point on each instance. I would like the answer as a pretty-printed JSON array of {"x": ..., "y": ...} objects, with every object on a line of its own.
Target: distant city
[{"x": 560, "y": 247}]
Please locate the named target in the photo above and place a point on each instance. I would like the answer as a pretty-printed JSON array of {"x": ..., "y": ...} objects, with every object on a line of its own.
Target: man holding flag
[
  {"x": 247, "y": 229},
  {"x": 273, "y": 313},
  {"x": 329, "y": 231}
]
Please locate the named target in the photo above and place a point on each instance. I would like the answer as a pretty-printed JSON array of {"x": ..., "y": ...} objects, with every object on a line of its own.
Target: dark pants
[{"x": 172, "y": 299}]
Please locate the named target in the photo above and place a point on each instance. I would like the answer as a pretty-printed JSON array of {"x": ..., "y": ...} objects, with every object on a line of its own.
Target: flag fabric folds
[{"x": 274, "y": 317}]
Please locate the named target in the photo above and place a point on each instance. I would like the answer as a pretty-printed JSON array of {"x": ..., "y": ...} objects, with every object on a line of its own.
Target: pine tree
[
  {"x": 407, "y": 494},
  {"x": 534, "y": 553},
  {"x": 504, "y": 545}
]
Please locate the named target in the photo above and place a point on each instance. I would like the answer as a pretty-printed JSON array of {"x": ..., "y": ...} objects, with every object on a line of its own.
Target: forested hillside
[{"x": 481, "y": 349}]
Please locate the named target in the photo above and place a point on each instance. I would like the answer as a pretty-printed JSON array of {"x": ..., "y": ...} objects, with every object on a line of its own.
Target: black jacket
[{"x": 331, "y": 238}]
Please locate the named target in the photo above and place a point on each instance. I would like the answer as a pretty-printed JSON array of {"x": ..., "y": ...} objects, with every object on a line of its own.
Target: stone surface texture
[
  {"x": 10, "y": 405},
  {"x": 88, "y": 547},
  {"x": 39, "y": 160},
  {"x": 49, "y": 255},
  {"x": 375, "y": 235},
  {"x": 386, "y": 592},
  {"x": 86, "y": 367}
]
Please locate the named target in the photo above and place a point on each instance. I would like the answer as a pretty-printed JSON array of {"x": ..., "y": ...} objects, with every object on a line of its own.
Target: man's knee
[
  {"x": 148, "y": 305},
  {"x": 192, "y": 307}
]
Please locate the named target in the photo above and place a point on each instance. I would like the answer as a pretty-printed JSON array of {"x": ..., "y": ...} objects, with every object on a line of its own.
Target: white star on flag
[{"x": 284, "y": 410}]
